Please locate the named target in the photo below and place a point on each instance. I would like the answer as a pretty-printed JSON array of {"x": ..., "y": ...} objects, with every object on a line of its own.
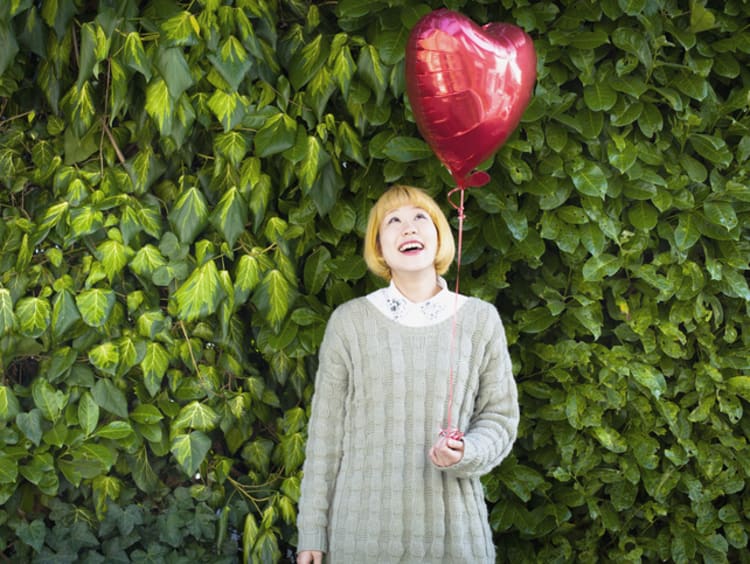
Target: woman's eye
[
  {"x": 421, "y": 216},
  {"x": 393, "y": 219}
]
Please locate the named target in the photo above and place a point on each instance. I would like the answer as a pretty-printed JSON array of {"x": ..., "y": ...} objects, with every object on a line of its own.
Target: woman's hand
[
  {"x": 310, "y": 557},
  {"x": 446, "y": 452}
]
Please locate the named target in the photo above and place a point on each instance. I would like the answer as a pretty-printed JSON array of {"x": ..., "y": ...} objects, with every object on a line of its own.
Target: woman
[{"x": 381, "y": 483}]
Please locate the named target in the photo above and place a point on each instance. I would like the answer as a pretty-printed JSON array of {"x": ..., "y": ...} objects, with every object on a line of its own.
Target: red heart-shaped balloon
[{"x": 468, "y": 87}]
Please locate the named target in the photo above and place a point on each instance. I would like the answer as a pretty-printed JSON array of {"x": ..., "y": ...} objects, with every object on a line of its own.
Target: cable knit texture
[{"x": 370, "y": 492}]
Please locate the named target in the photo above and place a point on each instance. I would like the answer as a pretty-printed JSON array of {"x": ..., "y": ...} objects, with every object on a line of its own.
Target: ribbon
[{"x": 462, "y": 184}]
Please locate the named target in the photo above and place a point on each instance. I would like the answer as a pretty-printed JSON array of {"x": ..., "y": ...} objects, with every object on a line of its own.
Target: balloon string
[{"x": 448, "y": 430}]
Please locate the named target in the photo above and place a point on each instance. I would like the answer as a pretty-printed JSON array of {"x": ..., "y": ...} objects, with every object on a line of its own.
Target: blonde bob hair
[{"x": 393, "y": 198}]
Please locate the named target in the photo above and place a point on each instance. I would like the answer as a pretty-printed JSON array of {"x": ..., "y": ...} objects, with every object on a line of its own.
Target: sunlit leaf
[
  {"x": 230, "y": 215},
  {"x": 201, "y": 293},
  {"x": 134, "y": 55},
  {"x": 232, "y": 61},
  {"x": 190, "y": 450},
  {"x": 196, "y": 415},
  {"x": 9, "y": 406},
  {"x": 95, "y": 306},
  {"x": 7, "y": 317},
  {"x": 33, "y": 315},
  {"x": 189, "y": 215},
  {"x": 160, "y": 105}
]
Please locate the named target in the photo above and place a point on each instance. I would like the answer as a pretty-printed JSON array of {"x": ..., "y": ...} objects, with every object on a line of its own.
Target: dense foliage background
[{"x": 183, "y": 191}]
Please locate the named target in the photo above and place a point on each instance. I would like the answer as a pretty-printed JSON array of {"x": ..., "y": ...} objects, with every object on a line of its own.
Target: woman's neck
[{"x": 417, "y": 287}]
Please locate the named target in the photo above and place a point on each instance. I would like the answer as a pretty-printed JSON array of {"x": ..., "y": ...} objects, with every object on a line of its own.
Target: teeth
[{"x": 410, "y": 247}]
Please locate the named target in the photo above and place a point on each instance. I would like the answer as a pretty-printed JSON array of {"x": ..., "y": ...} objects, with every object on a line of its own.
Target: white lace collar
[{"x": 399, "y": 308}]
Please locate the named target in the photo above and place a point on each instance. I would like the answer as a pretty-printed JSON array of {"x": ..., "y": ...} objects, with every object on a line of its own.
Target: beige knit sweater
[{"x": 370, "y": 492}]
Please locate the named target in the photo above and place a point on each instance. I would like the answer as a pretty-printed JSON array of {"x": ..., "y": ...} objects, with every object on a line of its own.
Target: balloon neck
[{"x": 474, "y": 180}]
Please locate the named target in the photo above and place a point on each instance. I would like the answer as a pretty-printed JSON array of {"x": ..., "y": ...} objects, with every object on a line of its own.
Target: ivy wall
[{"x": 183, "y": 190}]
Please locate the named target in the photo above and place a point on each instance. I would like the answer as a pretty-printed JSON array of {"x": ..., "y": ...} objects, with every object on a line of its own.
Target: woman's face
[{"x": 408, "y": 240}]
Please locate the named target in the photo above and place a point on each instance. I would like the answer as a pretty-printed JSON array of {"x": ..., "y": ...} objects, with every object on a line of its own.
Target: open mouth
[{"x": 411, "y": 246}]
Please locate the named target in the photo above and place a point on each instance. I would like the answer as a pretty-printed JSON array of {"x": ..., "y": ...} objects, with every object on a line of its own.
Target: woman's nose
[{"x": 409, "y": 228}]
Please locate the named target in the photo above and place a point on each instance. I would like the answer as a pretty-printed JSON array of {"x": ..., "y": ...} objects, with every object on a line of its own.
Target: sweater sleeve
[
  {"x": 494, "y": 423},
  {"x": 324, "y": 441}
]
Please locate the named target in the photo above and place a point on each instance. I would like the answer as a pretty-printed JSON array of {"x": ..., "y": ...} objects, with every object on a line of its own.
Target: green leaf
[
  {"x": 189, "y": 215},
  {"x": 59, "y": 364},
  {"x": 10, "y": 47},
  {"x": 343, "y": 217},
  {"x": 154, "y": 365},
  {"x": 196, "y": 415},
  {"x": 521, "y": 480},
  {"x": 143, "y": 474},
  {"x": 347, "y": 267},
  {"x": 350, "y": 143},
  {"x": 7, "y": 317},
  {"x": 247, "y": 277},
  {"x": 32, "y": 534},
  {"x": 230, "y": 215},
  {"x": 146, "y": 414},
  {"x": 344, "y": 68},
  {"x": 49, "y": 400},
  {"x": 650, "y": 378},
  {"x": 105, "y": 357},
  {"x": 701, "y": 18},
  {"x": 232, "y": 61},
  {"x": 33, "y": 316},
  {"x": 292, "y": 451},
  {"x": 610, "y": 439},
  {"x": 118, "y": 92},
  {"x": 189, "y": 450},
  {"x": 273, "y": 297},
  {"x": 80, "y": 107},
  {"x": 201, "y": 294},
  {"x": 534, "y": 320},
  {"x": 602, "y": 266},
  {"x": 277, "y": 135},
  {"x": 85, "y": 221},
  {"x": 9, "y": 406},
  {"x": 110, "y": 398},
  {"x": 95, "y": 306},
  {"x": 735, "y": 284},
  {"x": 590, "y": 180},
  {"x": 115, "y": 430},
  {"x": 721, "y": 214},
  {"x": 686, "y": 234},
  {"x": 316, "y": 270},
  {"x": 372, "y": 72},
  {"x": 232, "y": 146},
  {"x": 181, "y": 29},
  {"x": 114, "y": 256},
  {"x": 30, "y": 424},
  {"x": 643, "y": 215},
  {"x": 88, "y": 413},
  {"x": 712, "y": 148},
  {"x": 93, "y": 48},
  {"x": 134, "y": 55},
  {"x": 228, "y": 107},
  {"x": 406, "y": 149},
  {"x": 86, "y": 461},
  {"x": 175, "y": 70},
  {"x": 147, "y": 260},
  {"x": 64, "y": 313},
  {"x": 257, "y": 454},
  {"x": 160, "y": 105},
  {"x": 305, "y": 64},
  {"x": 739, "y": 385},
  {"x": 600, "y": 96}
]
